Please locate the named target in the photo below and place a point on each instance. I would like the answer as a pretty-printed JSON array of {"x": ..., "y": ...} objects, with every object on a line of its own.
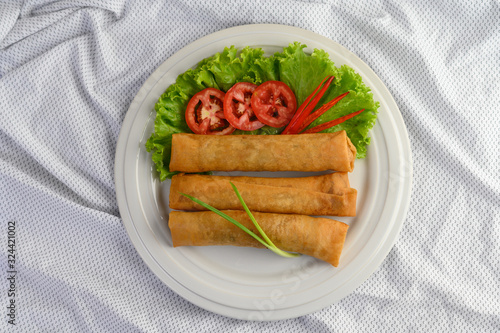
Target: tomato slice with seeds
[
  {"x": 274, "y": 103},
  {"x": 238, "y": 107},
  {"x": 204, "y": 113}
]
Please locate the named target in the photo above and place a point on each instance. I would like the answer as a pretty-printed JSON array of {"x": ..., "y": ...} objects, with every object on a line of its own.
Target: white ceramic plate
[{"x": 249, "y": 283}]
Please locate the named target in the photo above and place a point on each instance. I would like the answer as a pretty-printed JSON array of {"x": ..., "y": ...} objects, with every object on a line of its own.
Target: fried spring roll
[
  {"x": 333, "y": 183},
  {"x": 321, "y": 238},
  {"x": 262, "y": 198},
  {"x": 304, "y": 152}
]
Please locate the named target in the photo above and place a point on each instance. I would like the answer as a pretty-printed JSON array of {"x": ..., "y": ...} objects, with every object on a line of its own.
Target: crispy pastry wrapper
[
  {"x": 318, "y": 237},
  {"x": 332, "y": 183},
  {"x": 305, "y": 152},
  {"x": 217, "y": 192}
]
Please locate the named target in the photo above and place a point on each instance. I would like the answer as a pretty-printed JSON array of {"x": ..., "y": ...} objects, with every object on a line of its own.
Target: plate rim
[{"x": 122, "y": 198}]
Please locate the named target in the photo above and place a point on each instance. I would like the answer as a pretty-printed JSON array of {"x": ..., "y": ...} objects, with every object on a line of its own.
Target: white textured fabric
[{"x": 70, "y": 69}]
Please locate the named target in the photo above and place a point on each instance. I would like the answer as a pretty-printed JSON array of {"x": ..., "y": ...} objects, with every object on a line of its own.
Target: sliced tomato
[
  {"x": 274, "y": 103},
  {"x": 204, "y": 113},
  {"x": 238, "y": 107}
]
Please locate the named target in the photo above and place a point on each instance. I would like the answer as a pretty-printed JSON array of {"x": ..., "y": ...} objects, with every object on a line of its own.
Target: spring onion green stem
[
  {"x": 266, "y": 242},
  {"x": 262, "y": 233}
]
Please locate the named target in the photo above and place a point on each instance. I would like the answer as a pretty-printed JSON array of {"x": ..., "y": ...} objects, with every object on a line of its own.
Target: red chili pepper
[
  {"x": 313, "y": 116},
  {"x": 332, "y": 123},
  {"x": 306, "y": 107}
]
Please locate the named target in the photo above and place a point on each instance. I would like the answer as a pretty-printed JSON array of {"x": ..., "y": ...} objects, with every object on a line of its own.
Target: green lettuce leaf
[{"x": 302, "y": 72}]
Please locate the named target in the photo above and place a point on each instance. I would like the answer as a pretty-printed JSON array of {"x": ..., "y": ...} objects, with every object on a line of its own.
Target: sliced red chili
[{"x": 332, "y": 123}]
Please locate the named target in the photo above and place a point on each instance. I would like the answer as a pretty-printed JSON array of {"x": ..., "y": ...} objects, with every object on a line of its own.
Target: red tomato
[
  {"x": 274, "y": 103},
  {"x": 204, "y": 114},
  {"x": 238, "y": 109}
]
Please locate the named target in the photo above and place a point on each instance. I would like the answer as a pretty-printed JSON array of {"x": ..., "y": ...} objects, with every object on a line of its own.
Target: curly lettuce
[{"x": 301, "y": 71}]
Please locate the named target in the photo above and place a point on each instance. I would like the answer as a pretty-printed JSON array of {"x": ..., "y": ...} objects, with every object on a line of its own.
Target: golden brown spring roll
[
  {"x": 321, "y": 238},
  {"x": 303, "y": 152},
  {"x": 262, "y": 198},
  {"x": 333, "y": 183}
]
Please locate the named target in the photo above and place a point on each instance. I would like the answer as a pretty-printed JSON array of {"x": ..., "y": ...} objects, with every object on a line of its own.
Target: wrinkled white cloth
[{"x": 68, "y": 73}]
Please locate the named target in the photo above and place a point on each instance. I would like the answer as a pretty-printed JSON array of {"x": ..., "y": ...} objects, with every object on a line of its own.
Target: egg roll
[
  {"x": 318, "y": 237},
  {"x": 262, "y": 198},
  {"x": 333, "y": 183},
  {"x": 304, "y": 152}
]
